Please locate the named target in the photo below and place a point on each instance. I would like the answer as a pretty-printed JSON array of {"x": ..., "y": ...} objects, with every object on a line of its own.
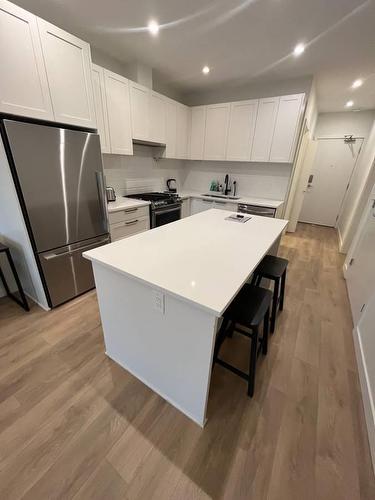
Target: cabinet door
[
  {"x": 185, "y": 208},
  {"x": 264, "y": 128},
  {"x": 23, "y": 82},
  {"x": 197, "y": 131},
  {"x": 225, "y": 205},
  {"x": 101, "y": 107},
  {"x": 118, "y": 106},
  {"x": 140, "y": 106},
  {"x": 171, "y": 129},
  {"x": 157, "y": 118},
  {"x": 241, "y": 130},
  {"x": 183, "y": 123},
  {"x": 284, "y": 137},
  {"x": 215, "y": 142},
  {"x": 68, "y": 66},
  {"x": 198, "y": 205}
]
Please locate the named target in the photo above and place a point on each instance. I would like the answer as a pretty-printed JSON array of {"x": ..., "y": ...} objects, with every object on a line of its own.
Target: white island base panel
[{"x": 171, "y": 353}]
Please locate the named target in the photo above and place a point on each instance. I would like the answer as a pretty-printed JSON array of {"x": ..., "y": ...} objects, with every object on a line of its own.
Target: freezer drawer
[{"x": 66, "y": 273}]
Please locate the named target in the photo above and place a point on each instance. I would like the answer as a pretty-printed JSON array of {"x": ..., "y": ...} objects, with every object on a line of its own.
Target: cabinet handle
[
  {"x": 131, "y": 222},
  {"x": 130, "y": 210}
]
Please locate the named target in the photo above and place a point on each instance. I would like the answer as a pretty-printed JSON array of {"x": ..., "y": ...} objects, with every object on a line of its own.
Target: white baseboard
[{"x": 368, "y": 403}]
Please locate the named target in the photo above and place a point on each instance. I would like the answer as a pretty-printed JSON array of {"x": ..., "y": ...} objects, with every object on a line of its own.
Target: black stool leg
[
  {"x": 253, "y": 360},
  {"x": 282, "y": 292},
  {"x": 220, "y": 337},
  {"x": 274, "y": 304},
  {"x": 266, "y": 326}
]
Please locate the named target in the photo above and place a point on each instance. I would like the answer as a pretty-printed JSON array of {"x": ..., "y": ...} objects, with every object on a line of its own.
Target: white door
[
  {"x": 171, "y": 129},
  {"x": 140, "y": 115},
  {"x": 157, "y": 117},
  {"x": 360, "y": 275},
  {"x": 242, "y": 120},
  {"x": 286, "y": 127},
  {"x": 183, "y": 124},
  {"x": 264, "y": 128},
  {"x": 118, "y": 106},
  {"x": 101, "y": 107},
  {"x": 68, "y": 65},
  {"x": 329, "y": 180},
  {"x": 197, "y": 129},
  {"x": 23, "y": 81},
  {"x": 215, "y": 141}
]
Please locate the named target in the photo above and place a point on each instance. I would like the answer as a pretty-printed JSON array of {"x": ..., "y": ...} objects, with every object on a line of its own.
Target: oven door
[{"x": 165, "y": 215}]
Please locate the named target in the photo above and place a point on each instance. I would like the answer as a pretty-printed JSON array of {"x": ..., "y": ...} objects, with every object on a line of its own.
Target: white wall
[
  {"x": 344, "y": 123},
  {"x": 263, "y": 180}
]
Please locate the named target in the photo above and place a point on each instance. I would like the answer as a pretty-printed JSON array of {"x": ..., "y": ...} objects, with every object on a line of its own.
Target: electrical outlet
[{"x": 159, "y": 301}]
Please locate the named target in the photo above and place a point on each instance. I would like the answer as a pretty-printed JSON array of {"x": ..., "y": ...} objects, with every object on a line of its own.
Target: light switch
[{"x": 159, "y": 301}]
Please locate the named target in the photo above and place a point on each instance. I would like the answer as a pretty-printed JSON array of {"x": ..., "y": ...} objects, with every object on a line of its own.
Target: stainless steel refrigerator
[{"x": 58, "y": 175}]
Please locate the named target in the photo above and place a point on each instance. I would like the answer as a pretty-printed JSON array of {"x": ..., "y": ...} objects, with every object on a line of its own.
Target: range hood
[{"x": 149, "y": 143}]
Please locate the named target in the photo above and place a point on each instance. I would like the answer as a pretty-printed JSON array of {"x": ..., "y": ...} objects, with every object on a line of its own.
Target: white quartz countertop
[
  {"x": 250, "y": 200},
  {"x": 122, "y": 203},
  {"x": 203, "y": 259}
]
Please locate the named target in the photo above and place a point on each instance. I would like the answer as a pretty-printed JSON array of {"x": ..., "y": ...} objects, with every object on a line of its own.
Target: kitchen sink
[{"x": 223, "y": 196}]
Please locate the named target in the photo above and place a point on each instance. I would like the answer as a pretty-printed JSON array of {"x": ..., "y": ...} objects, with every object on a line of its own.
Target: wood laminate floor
[{"x": 73, "y": 424}]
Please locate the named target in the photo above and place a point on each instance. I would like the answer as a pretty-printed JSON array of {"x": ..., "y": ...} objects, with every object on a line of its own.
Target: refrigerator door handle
[
  {"x": 102, "y": 197},
  {"x": 54, "y": 255}
]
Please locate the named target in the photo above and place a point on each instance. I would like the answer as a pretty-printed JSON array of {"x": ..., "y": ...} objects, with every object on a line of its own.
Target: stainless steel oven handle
[{"x": 163, "y": 211}]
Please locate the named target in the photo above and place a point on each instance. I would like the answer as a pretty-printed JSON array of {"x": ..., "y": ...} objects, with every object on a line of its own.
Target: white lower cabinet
[
  {"x": 128, "y": 222},
  {"x": 200, "y": 205},
  {"x": 185, "y": 208}
]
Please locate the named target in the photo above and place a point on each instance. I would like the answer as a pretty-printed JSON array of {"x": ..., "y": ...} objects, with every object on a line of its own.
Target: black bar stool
[
  {"x": 23, "y": 302},
  {"x": 250, "y": 308},
  {"x": 273, "y": 268}
]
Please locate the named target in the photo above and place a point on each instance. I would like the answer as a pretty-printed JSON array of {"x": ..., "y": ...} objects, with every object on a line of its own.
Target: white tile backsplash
[{"x": 129, "y": 174}]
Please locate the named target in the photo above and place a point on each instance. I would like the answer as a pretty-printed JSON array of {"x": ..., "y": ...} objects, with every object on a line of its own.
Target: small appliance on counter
[
  {"x": 172, "y": 185},
  {"x": 110, "y": 193}
]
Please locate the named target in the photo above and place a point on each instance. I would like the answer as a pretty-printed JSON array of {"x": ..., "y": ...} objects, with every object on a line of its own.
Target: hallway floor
[{"x": 73, "y": 424}]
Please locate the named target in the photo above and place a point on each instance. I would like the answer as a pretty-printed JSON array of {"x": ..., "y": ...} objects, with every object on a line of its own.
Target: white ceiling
[{"x": 241, "y": 40}]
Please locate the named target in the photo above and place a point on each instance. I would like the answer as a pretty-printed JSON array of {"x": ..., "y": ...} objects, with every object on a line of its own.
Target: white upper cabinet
[
  {"x": 171, "y": 128},
  {"x": 215, "y": 142},
  {"x": 197, "y": 132},
  {"x": 285, "y": 134},
  {"x": 241, "y": 130},
  {"x": 118, "y": 106},
  {"x": 157, "y": 117},
  {"x": 68, "y": 65},
  {"x": 101, "y": 107},
  {"x": 182, "y": 131},
  {"x": 140, "y": 111},
  {"x": 23, "y": 82},
  {"x": 265, "y": 126}
]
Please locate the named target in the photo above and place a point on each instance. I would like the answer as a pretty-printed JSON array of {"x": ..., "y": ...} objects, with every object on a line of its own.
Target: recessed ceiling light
[
  {"x": 299, "y": 49},
  {"x": 153, "y": 27},
  {"x": 357, "y": 83},
  {"x": 349, "y": 104},
  {"x": 205, "y": 70}
]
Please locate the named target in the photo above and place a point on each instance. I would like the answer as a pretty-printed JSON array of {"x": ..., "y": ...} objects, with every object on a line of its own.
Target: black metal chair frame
[{"x": 23, "y": 302}]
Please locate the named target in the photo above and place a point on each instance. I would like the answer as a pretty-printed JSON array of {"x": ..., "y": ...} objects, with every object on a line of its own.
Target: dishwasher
[{"x": 256, "y": 210}]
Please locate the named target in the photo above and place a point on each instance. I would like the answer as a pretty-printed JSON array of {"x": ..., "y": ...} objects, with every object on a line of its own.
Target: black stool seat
[
  {"x": 23, "y": 302},
  {"x": 249, "y": 306},
  {"x": 272, "y": 267},
  {"x": 249, "y": 309}
]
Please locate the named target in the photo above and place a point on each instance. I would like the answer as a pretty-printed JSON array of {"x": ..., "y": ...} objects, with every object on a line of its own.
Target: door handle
[{"x": 102, "y": 197}]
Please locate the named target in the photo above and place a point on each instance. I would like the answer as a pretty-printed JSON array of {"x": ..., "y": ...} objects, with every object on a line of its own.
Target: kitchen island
[{"x": 161, "y": 295}]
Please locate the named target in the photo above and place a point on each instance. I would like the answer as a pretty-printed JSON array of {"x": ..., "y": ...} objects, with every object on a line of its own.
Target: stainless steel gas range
[{"x": 164, "y": 207}]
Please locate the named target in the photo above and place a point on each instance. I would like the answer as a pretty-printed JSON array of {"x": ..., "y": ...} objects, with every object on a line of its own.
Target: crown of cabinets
[
  {"x": 45, "y": 71},
  {"x": 263, "y": 130}
]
